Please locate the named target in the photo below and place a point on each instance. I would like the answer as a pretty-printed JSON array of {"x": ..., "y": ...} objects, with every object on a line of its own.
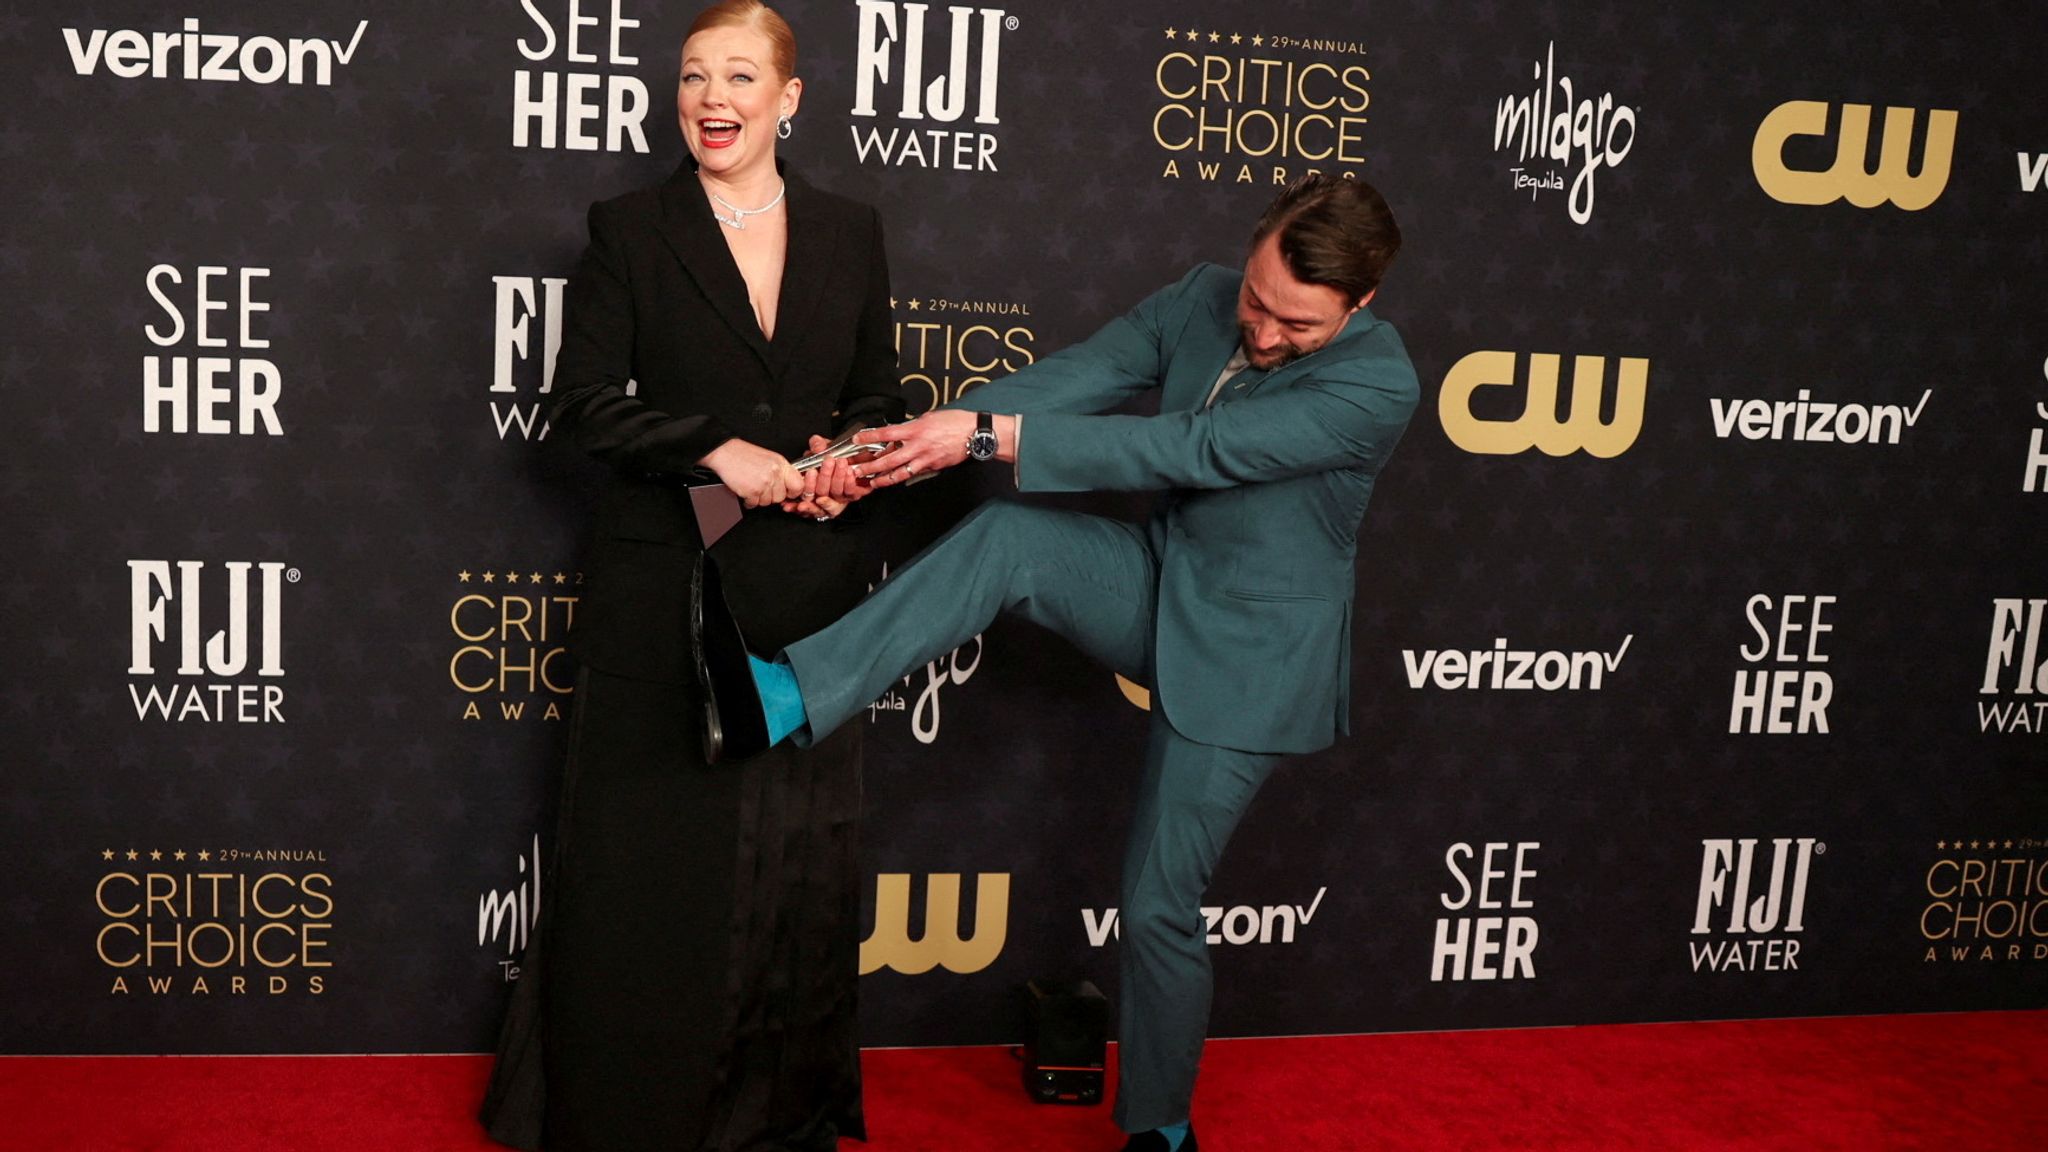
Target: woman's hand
[
  {"x": 759, "y": 477},
  {"x": 832, "y": 485}
]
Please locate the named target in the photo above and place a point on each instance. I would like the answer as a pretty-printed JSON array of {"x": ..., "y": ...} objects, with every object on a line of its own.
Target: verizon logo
[{"x": 217, "y": 56}]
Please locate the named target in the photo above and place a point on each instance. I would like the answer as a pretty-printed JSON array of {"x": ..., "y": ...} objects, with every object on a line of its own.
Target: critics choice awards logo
[
  {"x": 204, "y": 380},
  {"x": 571, "y": 108},
  {"x": 206, "y": 640},
  {"x": 945, "y": 346},
  {"x": 510, "y": 629},
  {"x": 1986, "y": 901},
  {"x": 1487, "y": 947},
  {"x": 1751, "y": 912},
  {"x": 1258, "y": 107},
  {"x": 924, "y": 95},
  {"x": 1553, "y": 129},
  {"x": 214, "y": 921}
]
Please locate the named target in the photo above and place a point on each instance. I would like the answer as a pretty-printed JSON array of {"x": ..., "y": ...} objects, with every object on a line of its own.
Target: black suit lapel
[
  {"x": 813, "y": 243},
  {"x": 692, "y": 234}
]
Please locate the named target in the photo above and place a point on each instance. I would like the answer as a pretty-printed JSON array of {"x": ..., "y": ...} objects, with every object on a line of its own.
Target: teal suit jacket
[{"x": 1256, "y": 534}]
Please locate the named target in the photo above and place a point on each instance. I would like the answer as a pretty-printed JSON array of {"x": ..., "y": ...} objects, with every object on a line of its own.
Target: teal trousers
[{"x": 1094, "y": 581}]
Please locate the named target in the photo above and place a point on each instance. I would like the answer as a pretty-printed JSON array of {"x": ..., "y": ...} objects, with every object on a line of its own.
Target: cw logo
[
  {"x": 890, "y": 946},
  {"x": 1538, "y": 425},
  {"x": 1851, "y": 175}
]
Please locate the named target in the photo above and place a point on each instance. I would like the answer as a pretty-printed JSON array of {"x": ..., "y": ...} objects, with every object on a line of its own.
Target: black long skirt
[{"x": 691, "y": 983}]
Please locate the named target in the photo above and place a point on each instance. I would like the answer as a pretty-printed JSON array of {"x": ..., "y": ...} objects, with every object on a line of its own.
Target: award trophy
[{"x": 718, "y": 508}]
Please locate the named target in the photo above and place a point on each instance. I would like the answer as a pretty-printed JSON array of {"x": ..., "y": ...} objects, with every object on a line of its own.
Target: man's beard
[{"x": 1285, "y": 355}]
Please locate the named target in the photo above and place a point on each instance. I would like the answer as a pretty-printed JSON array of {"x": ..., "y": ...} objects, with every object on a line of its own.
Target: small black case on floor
[{"x": 1067, "y": 1042}]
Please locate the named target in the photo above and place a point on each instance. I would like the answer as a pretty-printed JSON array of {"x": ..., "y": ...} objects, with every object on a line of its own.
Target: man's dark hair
[{"x": 1335, "y": 231}]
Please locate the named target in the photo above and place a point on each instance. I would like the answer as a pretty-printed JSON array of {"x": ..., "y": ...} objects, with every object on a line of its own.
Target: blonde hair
[{"x": 757, "y": 16}]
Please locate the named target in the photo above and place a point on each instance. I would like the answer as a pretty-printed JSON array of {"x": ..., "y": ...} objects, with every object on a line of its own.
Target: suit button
[{"x": 764, "y": 411}]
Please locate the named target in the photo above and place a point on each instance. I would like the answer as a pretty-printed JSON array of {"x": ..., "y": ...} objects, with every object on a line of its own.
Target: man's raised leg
[{"x": 1089, "y": 578}]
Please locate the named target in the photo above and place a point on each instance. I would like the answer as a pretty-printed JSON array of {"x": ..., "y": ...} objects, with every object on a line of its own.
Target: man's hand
[
  {"x": 934, "y": 441},
  {"x": 756, "y": 475}
]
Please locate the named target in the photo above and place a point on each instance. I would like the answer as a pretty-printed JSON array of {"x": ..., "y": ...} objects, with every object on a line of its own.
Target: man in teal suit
[{"x": 1282, "y": 397}]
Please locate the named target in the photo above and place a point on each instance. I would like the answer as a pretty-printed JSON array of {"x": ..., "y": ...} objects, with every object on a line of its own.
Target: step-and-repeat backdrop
[{"x": 1700, "y": 665}]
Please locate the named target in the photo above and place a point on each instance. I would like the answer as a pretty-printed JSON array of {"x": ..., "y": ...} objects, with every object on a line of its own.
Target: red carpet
[{"x": 1966, "y": 1081}]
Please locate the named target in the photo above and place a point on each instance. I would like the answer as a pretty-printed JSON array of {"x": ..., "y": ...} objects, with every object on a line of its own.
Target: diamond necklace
[{"x": 738, "y": 219}]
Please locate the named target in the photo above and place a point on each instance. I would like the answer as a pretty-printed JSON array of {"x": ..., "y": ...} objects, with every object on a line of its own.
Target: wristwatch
[{"x": 982, "y": 444}]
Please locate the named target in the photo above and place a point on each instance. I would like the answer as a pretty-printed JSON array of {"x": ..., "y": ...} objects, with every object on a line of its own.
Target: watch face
[{"x": 982, "y": 445}]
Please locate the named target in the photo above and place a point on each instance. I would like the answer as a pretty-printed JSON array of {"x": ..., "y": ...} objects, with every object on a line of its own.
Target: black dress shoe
[
  {"x": 1152, "y": 1141},
  {"x": 735, "y": 725}
]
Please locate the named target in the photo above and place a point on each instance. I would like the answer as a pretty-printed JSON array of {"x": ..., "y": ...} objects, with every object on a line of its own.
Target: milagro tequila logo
[
  {"x": 1554, "y": 129},
  {"x": 508, "y": 917}
]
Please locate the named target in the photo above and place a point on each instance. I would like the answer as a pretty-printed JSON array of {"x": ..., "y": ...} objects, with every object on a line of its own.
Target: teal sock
[
  {"x": 1174, "y": 1133},
  {"x": 781, "y": 699}
]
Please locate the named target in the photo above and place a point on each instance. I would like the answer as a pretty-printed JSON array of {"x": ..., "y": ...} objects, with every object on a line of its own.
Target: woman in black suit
[{"x": 691, "y": 983}]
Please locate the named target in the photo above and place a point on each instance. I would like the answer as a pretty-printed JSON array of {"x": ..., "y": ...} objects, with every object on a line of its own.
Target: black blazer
[{"x": 658, "y": 299}]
